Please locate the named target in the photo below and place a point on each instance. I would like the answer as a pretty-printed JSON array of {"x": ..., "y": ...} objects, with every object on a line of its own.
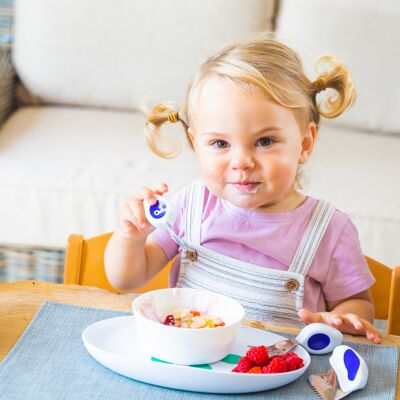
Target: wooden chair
[
  {"x": 386, "y": 294},
  {"x": 84, "y": 265}
]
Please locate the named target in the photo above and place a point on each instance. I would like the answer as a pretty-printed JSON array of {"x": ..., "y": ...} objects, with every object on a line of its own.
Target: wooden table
[{"x": 19, "y": 301}]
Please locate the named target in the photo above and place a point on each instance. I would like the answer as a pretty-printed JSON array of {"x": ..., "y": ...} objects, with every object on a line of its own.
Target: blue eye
[
  {"x": 220, "y": 144},
  {"x": 265, "y": 141}
]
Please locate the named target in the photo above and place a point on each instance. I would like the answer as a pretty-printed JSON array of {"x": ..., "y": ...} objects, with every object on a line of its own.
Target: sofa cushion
[
  {"x": 115, "y": 52},
  {"x": 68, "y": 170},
  {"x": 357, "y": 172},
  {"x": 365, "y": 34}
]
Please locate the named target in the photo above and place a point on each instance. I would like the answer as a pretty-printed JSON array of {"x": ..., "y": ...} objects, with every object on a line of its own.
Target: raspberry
[
  {"x": 243, "y": 365},
  {"x": 169, "y": 320},
  {"x": 294, "y": 362},
  {"x": 255, "y": 370},
  {"x": 288, "y": 355},
  {"x": 259, "y": 355},
  {"x": 276, "y": 365}
]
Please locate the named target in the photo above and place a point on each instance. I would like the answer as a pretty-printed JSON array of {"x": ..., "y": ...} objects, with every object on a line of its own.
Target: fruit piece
[
  {"x": 294, "y": 362},
  {"x": 209, "y": 324},
  {"x": 243, "y": 365},
  {"x": 287, "y": 355},
  {"x": 276, "y": 365},
  {"x": 169, "y": 320},
  {"x": 259, "y": 355},
  {"x": 255, "y": 370},
  {"x": 198, "y": 322},
  {"x": 189, "y": 318}
]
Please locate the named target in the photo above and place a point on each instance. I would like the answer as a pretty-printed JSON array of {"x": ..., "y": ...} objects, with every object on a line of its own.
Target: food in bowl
[
  {"x": 192, "y": 319},
  {"x": 186, "y": 346}
]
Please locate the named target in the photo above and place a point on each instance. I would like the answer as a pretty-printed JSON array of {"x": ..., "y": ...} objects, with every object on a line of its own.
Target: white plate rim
[{"x": 256, "y": 380}]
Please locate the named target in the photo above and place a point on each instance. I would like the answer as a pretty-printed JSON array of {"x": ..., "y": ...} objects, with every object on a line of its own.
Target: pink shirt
[{"x": 339, "y": 269}]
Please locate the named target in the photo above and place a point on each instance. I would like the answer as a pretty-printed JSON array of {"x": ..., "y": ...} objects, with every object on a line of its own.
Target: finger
[
  {"x": 363, "y": 326},
  {"x": 128, "y": 223},
  {"x": 308, "y": 316},
  {"x": 146, "y": 193},
  {"x": 139, "y": 216},
  {"x": 357, "y": 322},
  {"x": 335, "y": 320},
  {"x": 161, "y": 189},
  {"x": 332, "y": 319},
  {"x": 150, "y": 194},
  {"x": 372, "y": 333},
  {"x": 374, "y": 337},
  {"x": 378, "y": 338}
]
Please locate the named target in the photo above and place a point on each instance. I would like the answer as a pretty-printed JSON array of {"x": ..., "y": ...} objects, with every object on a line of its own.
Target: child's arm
[
  {"x": 130, "y": 264},
  {"x": 354, "y": 315},
  {"x": 132, "y": 257}
]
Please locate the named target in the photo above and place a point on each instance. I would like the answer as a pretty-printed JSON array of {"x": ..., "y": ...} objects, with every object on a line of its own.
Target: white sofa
[
  {"x": 356, "y": 164},
  {"x": 73, "y": 149}
]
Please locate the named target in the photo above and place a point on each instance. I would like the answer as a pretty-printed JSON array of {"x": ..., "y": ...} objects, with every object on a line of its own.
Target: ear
[
  {"x": 307, "y": 144},
  {"x": 192, "y": 137}
]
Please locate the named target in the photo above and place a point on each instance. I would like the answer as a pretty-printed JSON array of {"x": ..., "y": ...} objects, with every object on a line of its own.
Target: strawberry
[
  {"x": 276, "y": 365},
  {"x": 255, "y": 370},
  {"x": 243, "y": 365},
  {"x": 259, "y": 355}
]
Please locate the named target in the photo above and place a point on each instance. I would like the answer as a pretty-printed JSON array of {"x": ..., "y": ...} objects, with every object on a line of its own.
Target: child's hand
[
  {"x": 346, "y": 323},
  {"x": 133, "y": 222}
]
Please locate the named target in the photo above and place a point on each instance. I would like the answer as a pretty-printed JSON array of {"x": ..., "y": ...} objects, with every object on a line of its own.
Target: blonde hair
[{"x": 274, "y": 68}]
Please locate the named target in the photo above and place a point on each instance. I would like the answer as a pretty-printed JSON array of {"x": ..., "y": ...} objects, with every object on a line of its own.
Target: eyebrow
[
  {"x": 268, "y": 128},
  {"x": 263, "y": 130}
]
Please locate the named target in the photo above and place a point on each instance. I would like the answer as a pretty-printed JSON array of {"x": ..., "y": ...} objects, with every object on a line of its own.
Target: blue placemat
[{"x": 50, "y": 362}]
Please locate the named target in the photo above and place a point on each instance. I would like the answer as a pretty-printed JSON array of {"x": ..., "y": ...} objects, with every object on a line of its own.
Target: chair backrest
[
  {"x": 84, "y": 265},
  {"x": 386, "y": 294}
]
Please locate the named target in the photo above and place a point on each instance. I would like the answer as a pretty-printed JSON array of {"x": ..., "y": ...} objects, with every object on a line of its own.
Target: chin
[{"x": 245, "y": 201}]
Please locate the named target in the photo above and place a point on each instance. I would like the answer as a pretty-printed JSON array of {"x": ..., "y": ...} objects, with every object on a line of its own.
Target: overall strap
[
  {"x": 312, "y": 237},
  {"x": 194, "y": 212}
]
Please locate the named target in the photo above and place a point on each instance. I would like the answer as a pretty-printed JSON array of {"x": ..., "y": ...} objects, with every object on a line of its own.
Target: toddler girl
[{"x": 252, "y": 117}]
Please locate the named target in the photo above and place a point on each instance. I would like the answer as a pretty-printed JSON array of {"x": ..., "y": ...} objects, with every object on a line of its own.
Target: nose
[{"x": 242, "y": 160}]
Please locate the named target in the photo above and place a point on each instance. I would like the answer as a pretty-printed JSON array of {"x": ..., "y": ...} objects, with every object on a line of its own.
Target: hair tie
[
  {"x": 173, "y": 117},
  {"x": 319, "y": 85}
]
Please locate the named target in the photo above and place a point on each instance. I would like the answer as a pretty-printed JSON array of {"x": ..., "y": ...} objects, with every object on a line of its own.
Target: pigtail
[
  {"x": 156, "y": 117},
  {"x": 336, "y": 77}
]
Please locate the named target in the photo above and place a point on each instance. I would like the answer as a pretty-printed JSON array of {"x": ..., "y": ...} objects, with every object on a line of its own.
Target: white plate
[{"x": 113, "y": 342}]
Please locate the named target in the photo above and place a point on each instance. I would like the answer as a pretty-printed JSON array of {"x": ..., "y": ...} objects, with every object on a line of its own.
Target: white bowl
[{"x": 186, "y": 346}]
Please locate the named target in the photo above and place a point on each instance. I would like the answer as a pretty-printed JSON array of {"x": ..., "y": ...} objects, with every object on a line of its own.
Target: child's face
[{"x": 248, "y": 146}]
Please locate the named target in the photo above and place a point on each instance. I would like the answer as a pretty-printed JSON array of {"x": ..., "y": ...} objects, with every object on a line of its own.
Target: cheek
[
  {"x": 281, "y": 169},
  {"x": 210, "y": 166}
]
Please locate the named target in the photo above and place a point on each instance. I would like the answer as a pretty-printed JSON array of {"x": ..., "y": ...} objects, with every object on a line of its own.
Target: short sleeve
[
  {"x": 162, "y": 236},
  {"x": 348, "y": 272}
]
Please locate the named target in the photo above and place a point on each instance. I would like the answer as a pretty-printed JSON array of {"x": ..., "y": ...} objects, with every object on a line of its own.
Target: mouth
[{"x": 246, "y": 186}]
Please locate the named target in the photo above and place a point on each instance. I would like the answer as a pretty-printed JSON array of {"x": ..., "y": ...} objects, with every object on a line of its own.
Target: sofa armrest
[{"x": 7, "y": 78}]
